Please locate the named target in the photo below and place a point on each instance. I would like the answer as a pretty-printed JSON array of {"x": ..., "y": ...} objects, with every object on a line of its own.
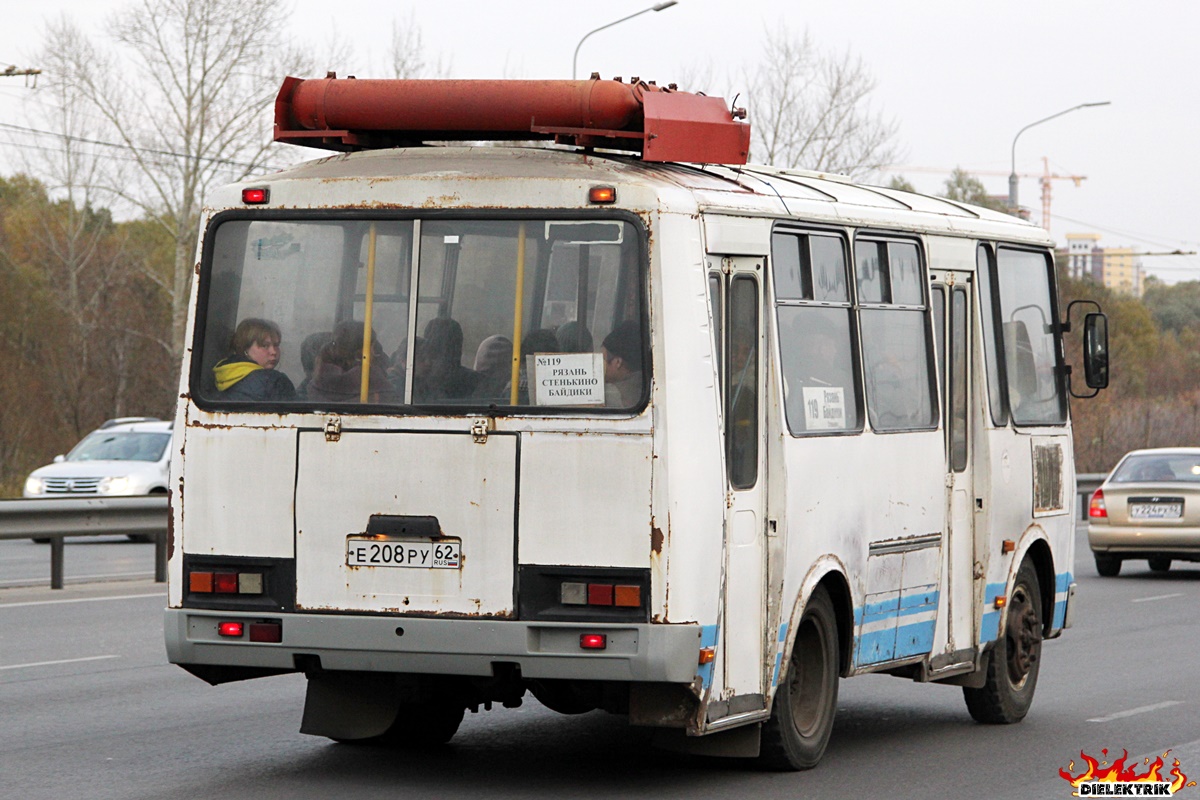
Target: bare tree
[
  {"x": 407, "y": 53},
  {"x": 195, "y": 113},
  {"x": 813, "y": 110}
]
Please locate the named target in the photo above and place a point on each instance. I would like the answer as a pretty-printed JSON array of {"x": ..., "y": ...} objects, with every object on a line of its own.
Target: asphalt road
[{"x": 91, "y": 709}]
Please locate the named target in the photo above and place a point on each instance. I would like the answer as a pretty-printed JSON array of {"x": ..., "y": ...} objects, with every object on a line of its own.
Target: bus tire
[
  {"x": 795, "y": 736},
  {"x": 1108, "y": 566},
  {"x": 1012, "y": 670},
  {"x": 424, "y": 724}
]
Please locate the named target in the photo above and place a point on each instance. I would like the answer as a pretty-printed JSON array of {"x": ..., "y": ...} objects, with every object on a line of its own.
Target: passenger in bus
[
  {"x": 248, "y": 372},
  {"x": 339, "y": 370},
  {"x": 622, "y": 350},
  {"x": 398, "y": 372},
  {"x": 493, "y": 364},
  {"x": 310, "y": 348},
  {"x": 448, "y": 379},
  {"x": 572, "y": 337}
]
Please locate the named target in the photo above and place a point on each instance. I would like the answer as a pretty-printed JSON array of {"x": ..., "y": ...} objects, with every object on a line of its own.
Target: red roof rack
[{"x": 660, "y": 123}]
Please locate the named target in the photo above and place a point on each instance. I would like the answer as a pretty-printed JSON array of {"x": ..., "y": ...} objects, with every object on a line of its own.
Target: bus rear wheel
[
  {"x": 1012, "y": 670},
  {"x": 424, "y": 724},
  {"x": 797, "y": 733}
]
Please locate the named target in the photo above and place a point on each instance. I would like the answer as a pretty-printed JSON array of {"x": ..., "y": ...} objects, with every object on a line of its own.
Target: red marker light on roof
[
  {"x": 256, "y": 196},
  {"x": 593, "y": 641}
]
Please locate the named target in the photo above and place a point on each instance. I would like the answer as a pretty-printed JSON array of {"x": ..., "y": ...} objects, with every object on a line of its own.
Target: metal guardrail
[{"x": 58, "y": 517}]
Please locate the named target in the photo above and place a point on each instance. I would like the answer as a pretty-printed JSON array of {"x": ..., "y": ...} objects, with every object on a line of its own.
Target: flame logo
[{"x": 1099, "y": 772}]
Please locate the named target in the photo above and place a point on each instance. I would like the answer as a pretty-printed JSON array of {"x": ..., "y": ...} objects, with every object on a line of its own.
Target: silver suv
[{"x": 123, "y": 457}]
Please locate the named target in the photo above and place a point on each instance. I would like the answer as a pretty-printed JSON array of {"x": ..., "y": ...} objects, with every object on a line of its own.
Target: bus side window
[
  {"x": 896, "y": 354},
  {"x": 716, "y": 308},
  {"x": 741, "y": 391},
  {"x": 1032, "y": 351},
  {"x": 816, "y": 336}
]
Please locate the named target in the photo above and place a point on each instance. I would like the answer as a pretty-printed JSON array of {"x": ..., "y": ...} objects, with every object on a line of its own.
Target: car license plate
[
  {"x": 413, "y": 553},
  {"x": 1155, "y": 510}
]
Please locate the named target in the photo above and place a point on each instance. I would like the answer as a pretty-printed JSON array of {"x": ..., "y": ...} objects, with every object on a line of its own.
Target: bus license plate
[
  {"x": 414, "y": 553},
  {"x": 1156, "y": 510}
]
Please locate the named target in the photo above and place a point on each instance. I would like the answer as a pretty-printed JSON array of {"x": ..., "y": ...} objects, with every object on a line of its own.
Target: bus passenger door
[
  {"x": 952, "y": 320},
  {"x": 739, "y": 283}
]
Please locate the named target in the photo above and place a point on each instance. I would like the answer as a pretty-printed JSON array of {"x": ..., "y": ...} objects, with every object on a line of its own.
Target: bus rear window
[{"x": 496, "y": 314}]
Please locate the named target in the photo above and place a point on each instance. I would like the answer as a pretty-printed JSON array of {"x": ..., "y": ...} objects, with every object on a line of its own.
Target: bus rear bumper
[{"x": 632, "y": 652}]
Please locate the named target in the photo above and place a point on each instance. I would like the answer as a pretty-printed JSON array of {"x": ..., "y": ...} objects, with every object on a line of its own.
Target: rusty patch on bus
[{"x": 656, "y": 538}]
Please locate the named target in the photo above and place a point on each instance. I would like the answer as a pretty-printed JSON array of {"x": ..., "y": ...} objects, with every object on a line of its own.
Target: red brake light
[
  {"x": 257, "y": 196},
  {"x": 1097, "y": 509},
  {"x": 233, "y": 629},
  {"x": 225, "y": 582},
  {"x": 593, "y": 641},
  {"x": 600, "y": 594}
]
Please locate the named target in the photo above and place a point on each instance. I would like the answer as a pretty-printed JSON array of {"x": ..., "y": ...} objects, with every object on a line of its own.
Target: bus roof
[{"x": 750, "y": 190}]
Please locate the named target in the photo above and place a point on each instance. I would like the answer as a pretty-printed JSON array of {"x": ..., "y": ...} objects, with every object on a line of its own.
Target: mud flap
[
  {"x": 742, "y": 742},
  {"x": 349, "y": 707}
]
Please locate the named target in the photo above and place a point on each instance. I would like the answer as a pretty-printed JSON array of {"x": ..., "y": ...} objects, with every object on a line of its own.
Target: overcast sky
[{"x": 960, "y": 78}]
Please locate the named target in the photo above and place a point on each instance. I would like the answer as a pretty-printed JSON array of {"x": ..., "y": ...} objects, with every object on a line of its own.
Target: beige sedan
[{"x": 1148, "y": 507}]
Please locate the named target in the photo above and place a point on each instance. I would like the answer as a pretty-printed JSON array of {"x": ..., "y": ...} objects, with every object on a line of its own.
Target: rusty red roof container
[{"x": 661, "y": 124}]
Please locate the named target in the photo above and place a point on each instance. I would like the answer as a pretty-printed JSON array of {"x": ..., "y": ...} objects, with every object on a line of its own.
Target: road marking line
[
  {"x": 79, "y": 600},
  {"x": 1156, "y": 597},
  {"x": 52, "y": 663},
  {"x": 1135, "y": 711}
]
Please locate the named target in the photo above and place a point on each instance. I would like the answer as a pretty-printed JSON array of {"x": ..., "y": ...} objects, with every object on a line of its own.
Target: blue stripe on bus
[
  {"x": 989, "y": 626},
  {"x": 1062, "y": 585},
  {"x": 779, "y": 652},
  {"x": 899, "y": 640},
  {"x": 708, "y": 638}
]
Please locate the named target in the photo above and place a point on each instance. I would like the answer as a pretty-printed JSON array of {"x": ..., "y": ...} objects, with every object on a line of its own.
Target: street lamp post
[
  {"x": 1012, "y": 178},
  {"x": 656, "y": 7}
]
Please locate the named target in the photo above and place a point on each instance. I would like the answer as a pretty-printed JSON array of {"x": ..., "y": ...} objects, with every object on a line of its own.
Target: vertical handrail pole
[
  {"x": 518, "y": 312},
  {"x": 368, "y": 322}
]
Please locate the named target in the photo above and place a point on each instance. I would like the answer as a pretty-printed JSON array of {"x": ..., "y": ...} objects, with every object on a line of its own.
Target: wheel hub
[{"x": 1024, "y": 638}]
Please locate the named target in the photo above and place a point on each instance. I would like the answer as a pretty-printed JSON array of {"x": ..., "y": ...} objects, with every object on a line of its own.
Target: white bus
[{"x": 687, "y": 442}]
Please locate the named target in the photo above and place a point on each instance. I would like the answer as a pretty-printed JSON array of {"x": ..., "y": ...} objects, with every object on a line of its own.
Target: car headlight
[
  {"x": 118, "y": 484},
  {"x": 34, "y": 486}
]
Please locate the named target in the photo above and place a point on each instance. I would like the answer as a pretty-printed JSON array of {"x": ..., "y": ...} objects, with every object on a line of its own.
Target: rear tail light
[
  {"x": 204, "y": 582},
  {"x": 600, "y": 594},
  {"x": 593, "y": 641},
  {"x": 1097, "y": 509}
]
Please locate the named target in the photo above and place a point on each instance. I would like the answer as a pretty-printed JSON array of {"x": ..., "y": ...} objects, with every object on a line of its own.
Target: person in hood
[
  {"x": 248, "y": 372},
  {"x": 338, "y": 376}
]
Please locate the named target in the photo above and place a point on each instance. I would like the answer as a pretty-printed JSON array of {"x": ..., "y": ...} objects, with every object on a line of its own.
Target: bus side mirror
[{"x": 1095, "y": 350}]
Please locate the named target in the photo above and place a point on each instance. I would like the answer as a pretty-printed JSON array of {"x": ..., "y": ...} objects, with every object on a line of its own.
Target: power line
[
  {"x": 133, "y": 148},
  {"x": 1126, "y": 234}
]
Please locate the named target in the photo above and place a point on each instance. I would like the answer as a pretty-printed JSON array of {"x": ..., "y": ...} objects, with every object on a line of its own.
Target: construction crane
[{"x": 1045, "y": 177}]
